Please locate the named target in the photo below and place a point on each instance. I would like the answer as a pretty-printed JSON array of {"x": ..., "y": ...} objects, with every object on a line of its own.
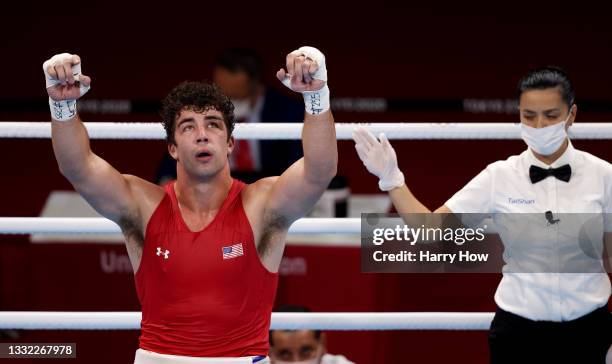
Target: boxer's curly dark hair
[{"x": 196, "y": 96}]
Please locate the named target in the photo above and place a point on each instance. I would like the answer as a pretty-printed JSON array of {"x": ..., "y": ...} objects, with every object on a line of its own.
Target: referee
[{"x": 541, "y": 317}]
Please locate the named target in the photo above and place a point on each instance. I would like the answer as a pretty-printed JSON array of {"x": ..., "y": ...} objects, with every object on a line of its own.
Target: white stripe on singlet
[{"x": 150, "y": 357}]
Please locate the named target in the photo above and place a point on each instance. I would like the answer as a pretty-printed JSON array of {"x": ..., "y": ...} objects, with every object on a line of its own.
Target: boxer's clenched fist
[
  {"x": 65, "y": 84},
  {"x": 63, "y": 77},
  {"x": 306, "y": 73}
]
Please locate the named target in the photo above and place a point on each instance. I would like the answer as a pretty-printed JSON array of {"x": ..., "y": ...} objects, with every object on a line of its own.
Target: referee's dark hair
[
  {"x": 292, "y": 308},
  {"x": 548, "y": 77}
]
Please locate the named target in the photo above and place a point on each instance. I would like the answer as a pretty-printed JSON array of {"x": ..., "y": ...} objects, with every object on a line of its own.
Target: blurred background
[{"x": 387, "y": 62}]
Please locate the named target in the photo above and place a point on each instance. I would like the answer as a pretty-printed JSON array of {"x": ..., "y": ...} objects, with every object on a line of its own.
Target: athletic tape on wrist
[
  {"x": 316, "y": 102},
  {"x": 63, "y": 110}
]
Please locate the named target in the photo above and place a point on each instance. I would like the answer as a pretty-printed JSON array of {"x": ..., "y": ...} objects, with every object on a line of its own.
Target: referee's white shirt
[{"x": 505, "y": 187}]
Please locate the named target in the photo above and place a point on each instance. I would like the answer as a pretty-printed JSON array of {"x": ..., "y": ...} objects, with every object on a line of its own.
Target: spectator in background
[
  {"x": 238, "y": 72},
  {"x": 300, "y": 346}
]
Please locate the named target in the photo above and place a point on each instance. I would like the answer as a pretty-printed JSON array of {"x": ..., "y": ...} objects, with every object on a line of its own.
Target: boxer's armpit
[
  {"x": 273, "y": 224},
  {"x": 132, "y": 229}
]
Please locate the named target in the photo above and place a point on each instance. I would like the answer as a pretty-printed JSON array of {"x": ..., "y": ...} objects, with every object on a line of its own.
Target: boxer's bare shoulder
[{"x": 146, "y": 197}]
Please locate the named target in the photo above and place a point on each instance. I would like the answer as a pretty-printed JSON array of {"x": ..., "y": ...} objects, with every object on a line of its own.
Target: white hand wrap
[
  {"x": 317, "y": 101},
  {"x": 63, "y": 110}
]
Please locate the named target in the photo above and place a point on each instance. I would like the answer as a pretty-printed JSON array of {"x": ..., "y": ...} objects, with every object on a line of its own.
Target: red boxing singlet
[{"x": 204, "y": 293}]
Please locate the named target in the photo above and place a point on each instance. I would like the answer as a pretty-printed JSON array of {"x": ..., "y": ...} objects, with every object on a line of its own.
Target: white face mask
[
  {"x": 242, "y": 108},
  {"x": 547, "y": 140}
]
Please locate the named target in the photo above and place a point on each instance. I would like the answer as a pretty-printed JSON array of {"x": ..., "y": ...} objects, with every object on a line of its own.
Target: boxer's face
[
  {"x": 202, "y": 143},
  {"x": 542, "y": 108}
]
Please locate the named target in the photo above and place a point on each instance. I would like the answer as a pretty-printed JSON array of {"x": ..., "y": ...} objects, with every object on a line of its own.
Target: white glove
[
  {"x": 313, "y": 84},
  {"x": 63, "y": 94},
  {"x": 379, "y": 158}
]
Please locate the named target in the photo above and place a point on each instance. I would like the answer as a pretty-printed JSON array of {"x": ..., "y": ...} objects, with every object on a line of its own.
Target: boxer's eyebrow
[
  {"x": 213, "y": 117},
  {"x": 186, "y": 120}
]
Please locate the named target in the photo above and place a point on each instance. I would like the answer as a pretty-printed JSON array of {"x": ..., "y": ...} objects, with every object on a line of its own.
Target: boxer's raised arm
[
  {"x": 112, "y": 194},
  {"x": 297, "y": 190}
]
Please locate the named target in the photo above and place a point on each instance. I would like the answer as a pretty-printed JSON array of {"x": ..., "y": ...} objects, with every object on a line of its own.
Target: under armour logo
[{"x": 165, "y": 253}]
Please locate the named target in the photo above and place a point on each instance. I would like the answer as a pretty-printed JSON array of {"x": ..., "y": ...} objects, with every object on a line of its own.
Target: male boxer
[{"x": 205, "y": 248}]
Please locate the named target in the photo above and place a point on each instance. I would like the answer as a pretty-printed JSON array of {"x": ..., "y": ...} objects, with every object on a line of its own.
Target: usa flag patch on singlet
[{"x": 233, "y": 251}]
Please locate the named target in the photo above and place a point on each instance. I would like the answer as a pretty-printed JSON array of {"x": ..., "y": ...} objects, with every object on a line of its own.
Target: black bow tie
[{"x": 563, "y": 173}]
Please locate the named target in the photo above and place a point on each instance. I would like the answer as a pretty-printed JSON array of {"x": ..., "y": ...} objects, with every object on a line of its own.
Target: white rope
[
  {"x": 383, "y": 321},
  {"x": 105, "y": 130},
  {"x": 99, "y": 225},
  {"x": 280, "y": 321}
]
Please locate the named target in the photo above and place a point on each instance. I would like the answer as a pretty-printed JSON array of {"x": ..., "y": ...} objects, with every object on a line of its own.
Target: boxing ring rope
[
  {"x": 286, "y": 131},
  {"x": 291, "y": 321},
  {"x": 342, "y": 321},
  {"x": 100, "y": 225}
]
